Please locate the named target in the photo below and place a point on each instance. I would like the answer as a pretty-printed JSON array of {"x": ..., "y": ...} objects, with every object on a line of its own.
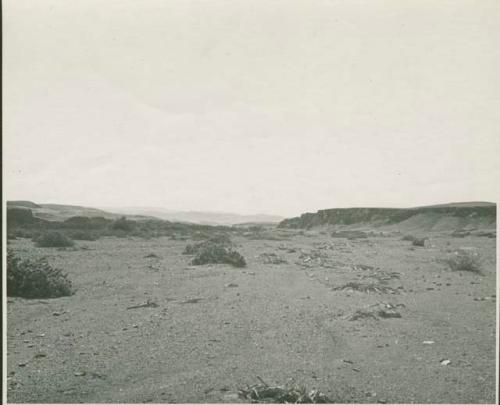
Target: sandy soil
[{"x": 216, "y": 328}]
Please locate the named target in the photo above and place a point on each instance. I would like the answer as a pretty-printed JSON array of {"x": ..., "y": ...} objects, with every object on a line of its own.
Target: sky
[{"x": 277, "y": 107}]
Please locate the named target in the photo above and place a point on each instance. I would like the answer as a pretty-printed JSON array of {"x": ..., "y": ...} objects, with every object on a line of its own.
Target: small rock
[
  {"x": 232, "y": 397},
  {"x": 231, "y": 285},
  {"x": 79, "y": 373},
  {"x": 428, "y": 342},
  {"x": 445, "y": 362},
  {"x": 22, "y": 364},
  {"x": 389, "y": 314}
]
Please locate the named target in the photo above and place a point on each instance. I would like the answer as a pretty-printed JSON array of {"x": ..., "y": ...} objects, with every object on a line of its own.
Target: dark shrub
[
  {"x": 218, "y": 254},
  {"x": 84, "y": 235},
  {"x": 35, "y": 279},
  {"x": 419, "y": 242},
  {"x": 53, "y": 239},
  {"x": 220, "y": 240},
  {"x": 123, "y": 224}
]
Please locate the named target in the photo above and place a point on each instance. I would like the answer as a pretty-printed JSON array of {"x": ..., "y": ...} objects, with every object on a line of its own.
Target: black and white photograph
[{"x": 249, "y": 201}]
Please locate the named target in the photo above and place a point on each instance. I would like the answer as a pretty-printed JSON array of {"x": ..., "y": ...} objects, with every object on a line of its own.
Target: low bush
[
  {"x": 53, "y": 239},
  {"x": 419, "y": 241},
  {"x": 84, "y": 235},
  {"x": 221, "y": 240},
  {"x": 35, "y": 279},
  {"x": 217, "y": 254},
  {"x": 415, "y": 241},
  {"x": 463, "y": 260},
  {"x": 123, "y": 224}
]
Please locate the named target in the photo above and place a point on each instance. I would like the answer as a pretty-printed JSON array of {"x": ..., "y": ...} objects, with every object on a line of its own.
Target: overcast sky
[{"x": 274, "y": 107}]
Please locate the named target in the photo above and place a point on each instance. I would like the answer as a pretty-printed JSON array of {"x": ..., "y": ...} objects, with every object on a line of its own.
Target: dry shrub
[
  {"x": 419, "y": 241},
  {"x": 35, "y": 279},
  {"x": 217, "y": 254},
  {"x": 463, "y": 260},
  {"x": 289, "y": 394}
]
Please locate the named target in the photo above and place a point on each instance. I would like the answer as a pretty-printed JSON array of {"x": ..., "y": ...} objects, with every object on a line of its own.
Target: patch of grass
[
  {"x": 53, "y": 239},
  {"x": 217, "y": 254},
  {"x": 35, "y": 279},
  {"x": 463, "y": 260}
]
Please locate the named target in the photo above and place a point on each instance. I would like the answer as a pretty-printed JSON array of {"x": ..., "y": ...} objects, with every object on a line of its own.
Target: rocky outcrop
[{"x": 486, "y": 213}]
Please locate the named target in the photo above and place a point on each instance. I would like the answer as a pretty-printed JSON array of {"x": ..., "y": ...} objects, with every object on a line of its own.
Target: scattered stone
[
  {"x": 272, "y": 258},
  {"x": 445, "y": 362},
  {"x": 148, "y": 304},
  {"x": 231, "y": 285},
  {"x": 191, "y": 301},
  {"x": 79, "y": 373},
  {"x": 389, "y": 314},
  {"x": 428, "y": 342}
]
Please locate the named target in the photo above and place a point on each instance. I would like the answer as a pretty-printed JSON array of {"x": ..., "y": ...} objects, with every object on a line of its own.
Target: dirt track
[{"x": 216, "y": 327}]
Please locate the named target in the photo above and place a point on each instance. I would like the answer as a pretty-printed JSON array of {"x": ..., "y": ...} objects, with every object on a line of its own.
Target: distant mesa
[{"x": 436, "y": 217}]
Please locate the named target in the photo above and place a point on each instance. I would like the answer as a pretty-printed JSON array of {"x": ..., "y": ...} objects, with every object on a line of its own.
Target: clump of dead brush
[
  {"x": 288, "y": 393},
  {"x": 463, "y": 260}
]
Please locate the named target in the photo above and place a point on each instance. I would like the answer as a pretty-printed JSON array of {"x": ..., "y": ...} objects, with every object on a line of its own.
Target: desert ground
[{"x": 156, "y": 329}]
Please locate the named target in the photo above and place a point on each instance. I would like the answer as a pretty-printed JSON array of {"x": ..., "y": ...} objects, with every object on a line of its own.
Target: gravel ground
[{"x": 216, "y": 328}]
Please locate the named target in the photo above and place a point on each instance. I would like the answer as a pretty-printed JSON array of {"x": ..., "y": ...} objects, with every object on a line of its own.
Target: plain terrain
[{"x": 215, "y": 328}]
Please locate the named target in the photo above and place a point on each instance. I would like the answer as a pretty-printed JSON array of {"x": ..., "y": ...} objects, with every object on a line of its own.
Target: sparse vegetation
[
  {"x": 415, "y": 241},
  {"x": 215, "y": 254},
  {"x": 419, "y": 242},
  {"x": 35, "y": 279},
  {"x": 464, "y": 260},
  {"x": 53, "y": 239},
  {"x": 289, "y": 394},
  {"x": 349, "y": 234},
  {"x": 123, "y": 224}
]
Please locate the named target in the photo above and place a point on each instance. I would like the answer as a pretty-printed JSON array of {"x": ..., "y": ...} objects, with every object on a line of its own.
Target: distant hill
[
  {"x": 22, "y": 204},
  {"x": 198, "y": 217},
  {"x": 467, "y": 215},
  {"x": 60, "y": 212}
]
